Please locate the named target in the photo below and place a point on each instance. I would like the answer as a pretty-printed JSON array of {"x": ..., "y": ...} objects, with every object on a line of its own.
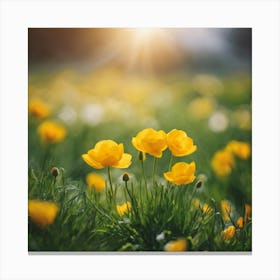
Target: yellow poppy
[
  {"x": 95, "y": 181},
  {"x": 181, "y": 173},
  {"x": 239, "y": 149},
  {"x": 38, "y": 109},
  {"x": 107, "y": 153},
  {"x": 178, "y": 245},
  {"x": 179, "y": 143},
  {"x": 240, "y": 222},
  {"x": 123, "y": 208},
  {"x": 51, "y": 132},
  {"x": 228, "y": 233},
  {"x": 222, "y": 163},
  {"x": 150, "y": 141},
  {"x": 42, "y": 213},
  {"x": 206, "y": 209},
  {"x": 248, "y": 210},
  {"x": 226, "y": 209}
]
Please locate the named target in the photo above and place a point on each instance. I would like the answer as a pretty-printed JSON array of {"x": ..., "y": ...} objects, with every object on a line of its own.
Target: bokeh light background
[{"x": 109, "y": 83}]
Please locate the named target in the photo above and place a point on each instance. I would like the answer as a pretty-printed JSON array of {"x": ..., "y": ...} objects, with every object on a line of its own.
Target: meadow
[{"x": 123, "y": 162}]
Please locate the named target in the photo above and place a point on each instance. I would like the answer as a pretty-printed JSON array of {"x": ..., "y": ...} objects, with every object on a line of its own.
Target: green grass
[{"x": 160, "y": 212}]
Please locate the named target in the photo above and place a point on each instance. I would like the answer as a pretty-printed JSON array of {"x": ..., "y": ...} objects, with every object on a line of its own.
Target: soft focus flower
[
  {"x": 248, "y": 210},
  {"x": 242, "y": 118},
  {"x": 218, "y": 121},
  {"x": 222, "y": 162},
  {"x": 228, "y": 233},
  {"x": 95, "y": 181},
  {"x": 226, "y": 209},
  {"x": 239, "y": 149},
  {"x": 38, "y": 109},
  {"x": 201, "y": 108},
  {"x": 196, "y": 203},
  {"x": 42, "y": 213},
  {"x": 240, "y": 222},
  {"x": 92, "y": 114},
  {"x": 181, "y": 173},
  {"x": 206, "y": 209},
  {"x": 179, "y": 143},
  {"x": 150, "y": 141},
  {"x": 107, "y": 153},
  {"x": 51, "y": 132},
  {"x": 178, "y": 245},
  {"x": 124, "y": 208}
]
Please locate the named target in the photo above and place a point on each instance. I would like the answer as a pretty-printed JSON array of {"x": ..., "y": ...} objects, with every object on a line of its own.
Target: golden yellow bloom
[
  {"x": 226, "y": 209},
  {"x": 248, "y": 210},
  {"x": 240, "y": 149},
  {"x": 178, "y": 245},
  {"x": 107, "y": 153},
  {"x": 38, "y": 109},
  {"x": 124, "y": 208},
  {"x": 240, "y": 222},
  {"x": 206, "y": 209},
  {"x": 43, "y": 213},
  {"x": 150, "y": 141},
  {"x": 222, "y": 162},
  {"x": 228, "y": 233},
  {"x": 179, "y": 143},
  {"x": 95, "y": 181},
  {"x": 181, "y": 173},
  {"x": 51, "y": 132}
]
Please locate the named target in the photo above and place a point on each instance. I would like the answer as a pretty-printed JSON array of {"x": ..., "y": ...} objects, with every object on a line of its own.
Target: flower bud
[
  {"x": 198, "y": 184},
  {"x": 55, "y": 172},
  {"x": 125, "y": 177}
]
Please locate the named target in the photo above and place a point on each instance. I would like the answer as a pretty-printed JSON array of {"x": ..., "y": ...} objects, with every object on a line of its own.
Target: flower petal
[
  {"x": 124, "y": 162},
  {"x": 92, "y": 162}
]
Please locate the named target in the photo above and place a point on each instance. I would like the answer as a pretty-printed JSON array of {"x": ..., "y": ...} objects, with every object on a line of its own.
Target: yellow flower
[
  {"x": 150, "y": 141},
  {"x": 43, "y": 213},
  {"x": 248, "y": 210},
  {"x": 107, "y": 153},
  {"x": 201, "y": 108},
  {"x": 226, "y": 209},
  {"x": 181, "y": 173},
  {"x": 239, "y": 149},
  {"x": 38, "y": 109},
  {"x": 124, "y": 208},
  {"x": 206, "y": 209},
  {"x": 179, "y": 143},
  {"x": 95, "y": 181},
  {"x": 51, "y": 132},
  {"x": 195, "y": 203},
  {"x": 222, "y": 162},
  {"x": 178, "y": 245},
  {"x": 240, "y": 222},
  {"x": 228, "y": 233}
]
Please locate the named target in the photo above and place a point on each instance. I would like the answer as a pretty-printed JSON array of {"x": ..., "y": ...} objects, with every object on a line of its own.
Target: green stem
[
  {"x": 110, "y": 183},
  {"x": 144, "y": 172},
  {"x": 171, "y": 162},
  {"x": 154, "y": 170}
]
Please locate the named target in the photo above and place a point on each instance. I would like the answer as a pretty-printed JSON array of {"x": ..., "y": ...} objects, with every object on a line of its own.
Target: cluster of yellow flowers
[
  {"x": 108, "y": 153},
  {"x": 226, "y": 209},
  {"x": 223, "y": 160},
  {"x": 49, "y": 131}
]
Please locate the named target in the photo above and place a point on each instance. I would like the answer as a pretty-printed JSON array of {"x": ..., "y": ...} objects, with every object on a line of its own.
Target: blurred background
[{"x": 109, "y": 83}]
